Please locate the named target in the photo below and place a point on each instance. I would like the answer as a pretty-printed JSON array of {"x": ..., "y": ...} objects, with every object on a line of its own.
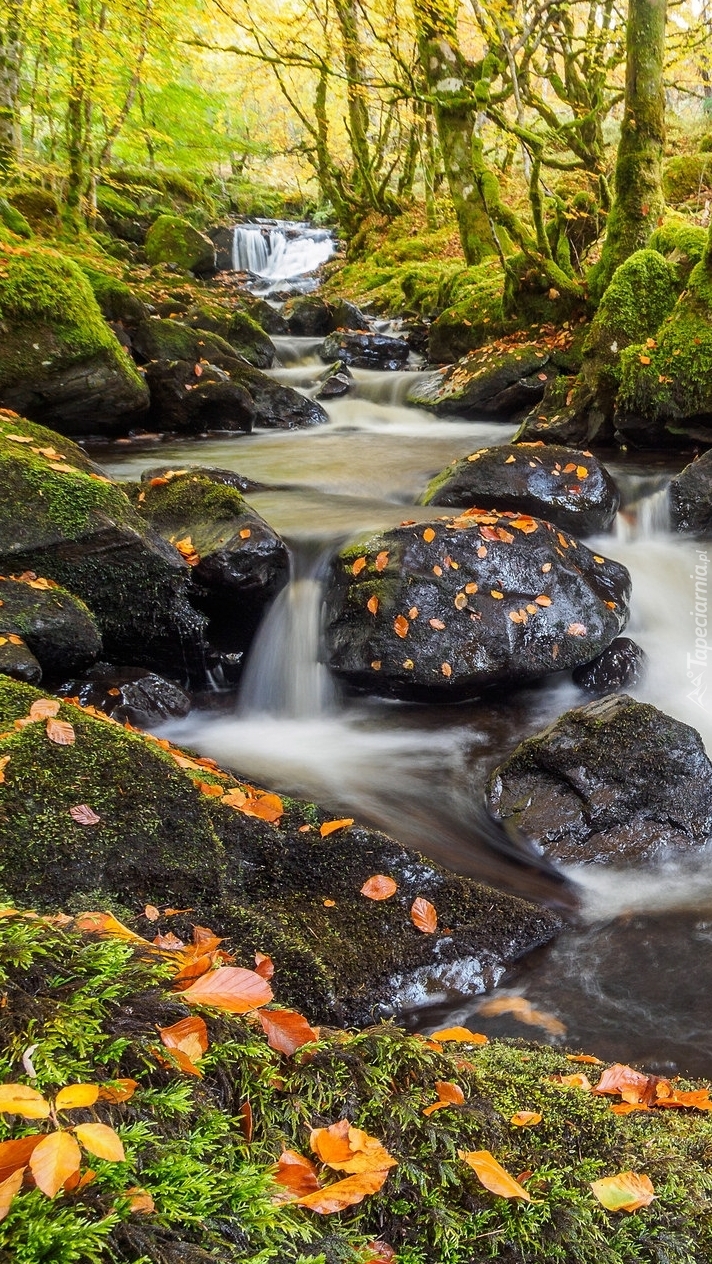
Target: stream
[{"x": 633, "y": 980}]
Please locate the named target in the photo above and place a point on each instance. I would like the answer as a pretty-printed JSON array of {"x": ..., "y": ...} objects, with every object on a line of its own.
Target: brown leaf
[
  {"x": 75, "y": 1095},
  {"x": 296, "y": 1173},
  {"x": 493, "y": 1176},
  {"x": 577, "y": 1080},
  {"x": 60, "y": 732},
  {"x": 401, "y": 626},
  {"x": 446, "y": 669},
  {"x": 84, "y": 815},
  {"x": 379, "y": 887},
  {"x": 118, "y": 1091},
  {"x": 576, "y": 629},
  {"x": 423, "y": 915},
  {"x": 230, "y": 988},
  {"x": 16, "y": 1154},
  {"x": 54, "y": 1159},
  {"x": 384, "y": 1254},
  {"x": 264, "y": 965},
  {"x": 140, "y": 1201},
  {"x": 101, "y": 1140},
  {"x": 381, "y": 561},
  {"x": 44, "y": 709},
  {"x": 627, "y": 1191},
  {"x": 358, "y": 566},
  {"x": 437, "y": 624},
  {"x": 329, "y": 827},
  {"x": 190, "y": 1036},
  {"x": 372, "y": 605},
  {"x": 286, "y": 1030},
  {"x": 633, "y": 1086},
  {"x": 151, "y": 912},
  {"x": 345, "y": 1193},
  {"x": 8, "y": 1188}
]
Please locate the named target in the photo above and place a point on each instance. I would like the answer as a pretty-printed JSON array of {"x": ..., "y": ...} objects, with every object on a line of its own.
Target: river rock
[
  {"x": 156, "y": 339},
  {"x": 491, "y": 382},
  {"x": 690, "y": 497},
  {"x": 444, "y": 608},
  {"x": 128, "y": 693},
  {"x": 183, "y": 402},
  {"x": 172, "y": 239},
  {"x": 66, "y": 521},
  {"x": 230, "y": 478},
  {"x": 59, "y": 361},
  {"x": 278, "y": 407},
  {"x": 18, "y": 661},
  {"x": 308, "y": 316},
  {"x": 238, "y": 563},
  {"x": 269, "y": 887},
  {"x": 266, "y": 316},
  {"x": 56, "y": 627},
  {"x": 237, "y": 328},
  {"x": 567, "y": 487},
  {"x": 616, "y": 780},
  {"x": 337, "y": 381},
  {"x": 223, "y": 236},
  {"x": 621, "y": 665},
  {"x": 366, "y": 351}
]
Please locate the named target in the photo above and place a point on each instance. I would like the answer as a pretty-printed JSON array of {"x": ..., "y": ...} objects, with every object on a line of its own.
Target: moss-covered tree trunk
[
  {"x": 448, "y": 75},
  {"x": 638, "y": 201},
  {"x": 10, "y": 59}
]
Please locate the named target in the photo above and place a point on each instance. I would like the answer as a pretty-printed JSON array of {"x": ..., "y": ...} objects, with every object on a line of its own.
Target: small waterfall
[
  {"x": 283, "y": 676},
  {"x": 645, "y": 517},
  {"x": 277, "y": 252}
]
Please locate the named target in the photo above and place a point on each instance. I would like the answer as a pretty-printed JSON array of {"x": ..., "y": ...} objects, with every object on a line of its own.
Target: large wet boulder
[
  {"x": 308, "y": 316},
  {"x": 117, "y": 301},
  {"x": 59, "y": 361},
  {"x": 56, "y": 626},
  {"x": 172, "y": 239},
  {"x": 365, "y": 351},
  {"x": 128, "y": 694},
  {"x": 266, "y": 316},
  {"x": 63, "y": 519},
  {"x": 620, "y": 666},
  {"x": 241, "y": 331},
  {"x": 278, "y": 407},
  {"x": 690, "y": 497},
  {"x": 186, "y": 401},
  {"x": 567, "y": 487},
  {"x": 164, "y": 836},
  {"x": 157, "y": 339},
  {"x": 238, "y": 563},
  {"x": 223, "y": 238},
  {"x": 444, "y": 608},
  {"x": 616, "y": 780},
  {"x": 492, "y": 382}
]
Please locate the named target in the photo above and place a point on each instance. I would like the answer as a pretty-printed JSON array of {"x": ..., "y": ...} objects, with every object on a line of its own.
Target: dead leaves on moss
[{"x": 342, "y": 1148}]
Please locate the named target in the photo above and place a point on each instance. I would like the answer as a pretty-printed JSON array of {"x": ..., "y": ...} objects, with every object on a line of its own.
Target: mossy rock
[
  {"x": 682, "y": 244},
  {"x": 74, "y": 526},
  {"x": 173, "y": 340},
  {"x": 56, "y": 627},
  {"x": 239, "y": 329},
  {"x": 172, "y": 239},
  {"x": 38, "y": 206},
  {"x": 686, "y": 177},
  {"x": 117, "y": 301},
  {"x": 495, "y": 381},
  {"x": 114, "y": 205},
  {"x": 14, "y": 219},
  {"x": 474, "y": 315},
  {"x": 58, "y": 358}
]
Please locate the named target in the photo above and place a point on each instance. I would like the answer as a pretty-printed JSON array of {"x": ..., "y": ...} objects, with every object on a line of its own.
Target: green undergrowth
[{"x": 90, "y": 1008}]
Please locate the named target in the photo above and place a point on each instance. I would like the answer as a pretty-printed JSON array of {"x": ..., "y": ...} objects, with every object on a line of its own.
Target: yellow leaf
[
  {"x": 526, "y": 1119},
  {"x": 75, "y": 1095},
  {"x": 20, "y": 1099},
  {"x": 627, "y": 1191},
  {"x": 329, "y": 827},
  {"x": 8, "y": 1189},
  {"x": 54, "y": 1160},
  {"x": 101, "y": 1140},
  {"x": 493, "y": 1176},
  {"x": 459, "y": 1033}
]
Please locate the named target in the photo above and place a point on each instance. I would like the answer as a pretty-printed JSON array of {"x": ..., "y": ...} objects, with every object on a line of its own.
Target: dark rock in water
[
  {"x": 365, "y": 351},
  {"x": 161, "y": 840},
  {"x": 690, "y": 497},
  {"x": 241, "y": 562},
  {"x": 487, "y": 383},
  {"x": 347, "y": 315},
  {"x": 621, "y": 665},
  {"x": 181, "y": 401},
  {"x": 616, "y": 780},
  {"x": 267, "y": 316},
  {"x": 73, "y": 525},
  {"x": 567, "y": 487},
  {"x": 128, "y": 693},
  {"x": 417, "y": 334},
  {"x": 56, "y": 627},
  {"x": 443, "y": 609},
  {"x": 308, "y": 316},
  {"x": 230, "y": 478},
  {"x": 337, "y": 381},
  {"x": 222, "y": 237},
  {"x": 278, "y": 407}
]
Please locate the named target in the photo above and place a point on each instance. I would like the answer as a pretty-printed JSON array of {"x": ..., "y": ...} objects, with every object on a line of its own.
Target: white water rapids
[{"x": 279, "y": 253}]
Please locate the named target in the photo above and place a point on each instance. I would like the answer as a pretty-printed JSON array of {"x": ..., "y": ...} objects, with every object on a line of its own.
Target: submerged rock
[
  {"x": 621, "y": 665},
  {"x": 366, "y": 351},
  {"x": 55, "y": 626},
  {"x": 491, "y": 382},
  {"x": 568, "y": 487},
  {"x": 690, "y": 497},
  {"x": 445, "y": 608},
  {"x": 616, "y": 780},
  {"x": 128, "y": 693}
]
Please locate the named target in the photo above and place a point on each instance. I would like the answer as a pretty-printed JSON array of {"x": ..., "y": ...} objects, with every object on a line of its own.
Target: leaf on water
[
  {"x": 54, "y": 1159},
  {"x": 379, "y": 887},
  {"x": 101, "y": 1140},
  {"x": 423, "y": 915},
  {"x": 190, "y": 1036},
  {"x": 526, "y": 1119},
  {"x": 20, "y": 1099},
  {"x": 382, "y": 560},
  {"x": 627, "y": 1191},
  {"x": 84, "y": 815},
  {"x": 493, "y": 1176},
  {"x": 461, "y": 1034},
  {"x": 358, "y": 566},
  {"x": 329, "y": 827},
  {"x": 44, "y": 709},
  {"x": 60, "y": 732},
  {"x": 230, "y": 988},
  {"x": 523, "y": 1010},
  {"x": 286, "y": 1030},
  {"x": 344, "y": 1194},
  {"x": 264, "y": 965},
  {"x": 296, "y": 1173},
  {"x": 401, "y": 626},
  {"x": 372, "y": 605},
  {"x": 75, "y": 1095},
  {"x": 8, "y": 1188}
]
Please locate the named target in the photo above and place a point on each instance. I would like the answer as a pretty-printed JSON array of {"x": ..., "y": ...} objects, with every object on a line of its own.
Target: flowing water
[
  {"x": 632, "y": 981},
  {"x": 277, "y": 252}
]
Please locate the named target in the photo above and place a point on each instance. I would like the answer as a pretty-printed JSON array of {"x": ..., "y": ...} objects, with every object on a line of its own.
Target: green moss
[
  {"x": 682, "y": 244},
  {"x": 39, "y": 207},
  {"x": 474, "y": 314},
  {"x": 172, "y": 239},
  {"x": 686, "y": 176},
  {"x": 238, "y": 328},
  {"x": 14, "y": 219},
  {"x": 117, "y": 301},
  {"x": 185, "y": 498},
  {"x": 114, "y": 204}
]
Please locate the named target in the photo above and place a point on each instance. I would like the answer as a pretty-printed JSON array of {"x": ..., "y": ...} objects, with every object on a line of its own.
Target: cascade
[{"x": 280, "y": 251}]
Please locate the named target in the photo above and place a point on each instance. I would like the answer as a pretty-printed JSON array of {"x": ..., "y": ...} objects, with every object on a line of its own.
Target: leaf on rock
[
  {"x": 330, "y": 827},
  {"x": 101, "y": 1140},
  {"x": 286, "y": 1030},
  {"x": 268, "y": 807},
  {"x": 60, "y": 732},
  {"x": 381, "y": 561},
  {"x": 526, "y": 1119},
  {"x": 448, "y": 1095},
  {"x": 358, "y": 566},
  {"x": 633, "y": 1086},
  {"x": 54, "y": 1159},
  {"x": 20, "y": 1099},
  {"x": 493, "y": 1176},
  {"x": 75, "y": 1095},
  {"x": 107, "y": 924},
  {"x": 372, "y": 605},
  {"x": 230, "y": 988},
  {"x": 577, "y": 629},
  {"x": 461, "y": 1034},
  {"x": 8, "y": 1188},
  {"x": 401, "y": 626},
  {"x": 296, "y": 1173},
  {"x": 349, "y": 1149},
  {"x": 379, "y": 887},
  {"x": 344, "y": 1194},
  {"x": 428, "y": 535},
  {"x": 44, "y": 709},
  {"x": 84, "y": 815},
  {"x": 424, "y": 916},
  {"x": 627, "y": 1191},
  {"x": 588, "y": 1058},
  {"x": 577, "y": 1080}
]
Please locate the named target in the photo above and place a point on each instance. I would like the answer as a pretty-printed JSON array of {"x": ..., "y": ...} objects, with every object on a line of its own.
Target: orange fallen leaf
[
  {"x": 493, "y": 1176},
  {"x": 523, "y": 1010},
  {"x": 379, "y": 887},
  {"x": 448, "y": 1095},
  {"x": 100, "y": 1140},
  {"x": 269, "y": 807},
  {"x": 345, "y": 1193},
  {"x": 286, "y": 1030},
  {"x": 627, "y": 1191},
  {"x": 526, "y": 1119},
  {"x": 54, "y": 1159},
  {"x": 296, "y": 1173},
  {"x": 20, "y": 1099},
  {"x": 633, "y": 1086},
  {"x": 209, "y": 789},
  {"x": 16, "y": 1154},
  {"x": 330, "y": 827},
  {"x": 372, "y": 605},
  {"x": 230, "y": 988},
  {"x": 461, "y": 1034},
  {"x": 264, "y": 965},
  {"x": 245, "y": 533},
  {"x": 576, "y": 1080},
  {"x": 349, "y": 1149},
  {"x": 401, "y": 626},
  {"x": 428, "y": 535},
  {"x": 576, "y": 629},
  {"x": 381, "y": 561},
  {"x": 329, "y": 903},
  {"x": 44, "y": 709},
  {"x": 358, "y": 566},
  {"x": 423, "y": 915},
  {"x": 60, "y": 732},
  {"x": 189, "y": 1036},
  {"x": 75, "y": 1095},
  {"x": 84, "y": 815},
  {"x": 151, "y": 912},
  {"x": 140, "y": 1201},
  {"x": 584, "y": 1057},
  {"x": 118, "y": 1091},
  {"x": 446, "y": 669}
]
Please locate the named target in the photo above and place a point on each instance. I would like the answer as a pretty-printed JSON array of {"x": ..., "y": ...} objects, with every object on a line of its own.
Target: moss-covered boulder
[
  {"x": 473, "y": 313},
  {"x": 497, "y": 381},
  {"x": 156, "y": 339},
  {"x": 63, "y": 519},
  {"x": 309, "y": 316},
  {"x": 445, "y": 608},
  {"x": 616, "y": 780},
  {"x": 172, "y": 239},
  {"x": 117, "y": 301},
  {"x": 567, "y": 487},
  {"x": 55, "y": 626},
  {"x": 686, "y": 176},
  {"x": 242, "y": 563},
  {"x": 682, "y": 244},
  {"x": 13, "y": 219},
  {"x": 59, "y": 361},
  {"x": 39, "y": 207},
  {"x": 238, "y": 329},
  {"x": 189, "y": 397}
]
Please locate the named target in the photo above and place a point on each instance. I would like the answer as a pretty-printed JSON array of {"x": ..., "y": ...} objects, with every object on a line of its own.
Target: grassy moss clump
[
  {"x": 90, "y": 1008},
  {"x": 13, "y": 219},
  {"x": 686, "y": 176},
  {"x": 117, "y": 301},
  {"x": 682, "y": 244},
  {"x": 115, "y": 205},
  {"x": 172, "y": 239}
]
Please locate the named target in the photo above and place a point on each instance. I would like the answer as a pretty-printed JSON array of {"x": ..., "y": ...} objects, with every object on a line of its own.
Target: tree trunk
[
  {"x": 10, "y": 59},
  {"x": 638, "y": 202},
  {"x": 76, "y": 117},
  {"x": 447, "y": 74}
]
